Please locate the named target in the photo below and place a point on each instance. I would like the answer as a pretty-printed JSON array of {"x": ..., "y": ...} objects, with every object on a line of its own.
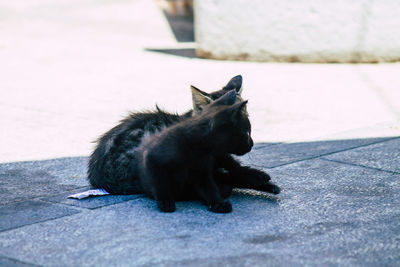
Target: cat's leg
[
  {"x": 245, "y": 177},
  {"x": 162, "y": 191},
  {"x": 165, "y": 202},
  {"x": 225, "y": 189},
  {"x": 209, "y": 193}
]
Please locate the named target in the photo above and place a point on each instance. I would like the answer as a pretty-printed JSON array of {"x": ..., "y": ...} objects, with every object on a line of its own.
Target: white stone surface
[
  {"x": 71, "y": 70},
  {"x": 306, "y": 31}
]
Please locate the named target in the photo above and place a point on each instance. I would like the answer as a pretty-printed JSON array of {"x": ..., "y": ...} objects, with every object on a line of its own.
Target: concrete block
[
  {"x": 285, "y": 153},
  {"x": 30, "y": 212},
  {"x": 25, "y": 180},
  {"x": 384, "y": 156},
  {"x": 380, "y": 30},
  {"x": 327, "y": 214},
  {"x": 292, "y": 31}
]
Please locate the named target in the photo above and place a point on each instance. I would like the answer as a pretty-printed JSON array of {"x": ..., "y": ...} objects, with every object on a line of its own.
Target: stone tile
[
  {"x": 384, "y": 156},
  {"x": 25, "y": 180},
  {"x": 251, "y": 259},
  {"x": 12, "y": 262},
  {"x": 327, "y": 214},
  {"x": 280, "y": 154},
  {"x": 91, "y": 202},
  {"x": 29, "y": 212}
]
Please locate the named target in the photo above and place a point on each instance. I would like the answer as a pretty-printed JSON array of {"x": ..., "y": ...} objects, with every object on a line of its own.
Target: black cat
[
  {"x": 182, "y": 158},
  {"x": 112, "y": 165}
]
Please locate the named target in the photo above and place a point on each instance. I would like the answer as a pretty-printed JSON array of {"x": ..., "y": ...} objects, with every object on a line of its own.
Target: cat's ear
[
  {"x": 231, "y": 114},
  {"x": 203, "y": 129},
  {"x": 200, "y": 99},
  {"x": 227, "y": 99},
  {"x": 234, "y": 84},
  {"x": 237, "y": 110}
]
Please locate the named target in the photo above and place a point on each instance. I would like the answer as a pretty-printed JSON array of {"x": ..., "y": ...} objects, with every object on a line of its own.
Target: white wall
[{"x": 298, "y": 30}]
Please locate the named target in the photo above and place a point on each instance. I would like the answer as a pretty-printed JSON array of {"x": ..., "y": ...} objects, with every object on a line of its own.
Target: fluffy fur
[
  {"x": 182, "y": 158},
  {"x": 113, "y": 163}
]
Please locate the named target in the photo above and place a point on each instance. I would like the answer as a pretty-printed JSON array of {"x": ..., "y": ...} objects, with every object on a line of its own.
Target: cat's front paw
[
  {"x": 221, "y": 207},
  {"x": 166, "y": 205},
  {"x": 275, "y": 189},
  {"x": 263, "y": 177},
  {"x": 269, "y": 187}
]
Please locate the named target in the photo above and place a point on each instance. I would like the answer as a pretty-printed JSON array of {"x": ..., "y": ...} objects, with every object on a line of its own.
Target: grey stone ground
[
  {"x": 327, "y": 134},
  {"x": 340, "y": 208}
]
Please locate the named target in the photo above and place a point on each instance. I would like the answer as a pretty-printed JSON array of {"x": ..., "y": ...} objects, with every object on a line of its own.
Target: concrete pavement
[
  {"x": 339, "y": 206},
  {"x": 327, "y": 134}
]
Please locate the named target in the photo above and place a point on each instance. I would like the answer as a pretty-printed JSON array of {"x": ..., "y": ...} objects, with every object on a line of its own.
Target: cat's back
[
  {"x": 112, "y": 164},
  {"x": 179, "y": 145},
  {"x": 137, "y": 125},
  {"x": 162, "y": 148}
]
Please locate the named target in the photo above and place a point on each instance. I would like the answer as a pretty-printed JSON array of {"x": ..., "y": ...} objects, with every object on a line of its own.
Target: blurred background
[{"x": 71, "y": 69}]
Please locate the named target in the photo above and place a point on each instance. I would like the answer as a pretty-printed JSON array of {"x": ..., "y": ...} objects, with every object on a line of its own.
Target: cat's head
[
  {"x": 200, "y": 98},
  {"x": 230, "y": 128}
]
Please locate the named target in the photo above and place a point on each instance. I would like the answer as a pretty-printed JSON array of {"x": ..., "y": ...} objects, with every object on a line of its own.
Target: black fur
[
  {"x": 181, "y": 158},
  {"x": 113, "y": 164}
]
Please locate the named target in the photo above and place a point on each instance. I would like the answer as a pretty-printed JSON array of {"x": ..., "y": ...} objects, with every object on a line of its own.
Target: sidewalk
[{"x": 329, "y": 135}]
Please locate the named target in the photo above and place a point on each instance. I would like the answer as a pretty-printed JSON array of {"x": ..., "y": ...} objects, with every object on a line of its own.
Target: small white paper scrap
[{"x": 89, "y": 193}]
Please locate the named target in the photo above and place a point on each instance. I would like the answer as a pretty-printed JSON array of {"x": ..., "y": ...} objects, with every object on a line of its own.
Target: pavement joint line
[
  {"x": 359, "y": 165},
  {"x": 18, "y": 261},
  {"x": 80, "y": 209},
  {"x": 265, "y": 145},
  {"x": 139, "y": 196},
  {"x": 46, "y": 159},
  {"x": 28, "y": 224},
  {"x": 63, "y": 204},
  {"x": 41, "y": 198},
  {"x": 330, "y": 153},
  {"x": 85, "y": 187},
  {"x": 44, "y": 199}
]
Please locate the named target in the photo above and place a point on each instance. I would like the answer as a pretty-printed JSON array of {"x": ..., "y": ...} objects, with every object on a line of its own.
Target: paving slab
[
  {"x": 251, "y": 259},
  {"x": 384, "y": 156},
  {"x": 327, "y": 214},
  {"x": 285, "y": 153},
  {"x": 11, "y": 262},
  {"x": 29, "y": 212},
  {"x": 25, "y": 180}
]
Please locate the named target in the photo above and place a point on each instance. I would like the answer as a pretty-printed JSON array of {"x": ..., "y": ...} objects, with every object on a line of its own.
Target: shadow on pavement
[
  {"x": 181, "y": 26},
  {"x": 181, "y": 52}
]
